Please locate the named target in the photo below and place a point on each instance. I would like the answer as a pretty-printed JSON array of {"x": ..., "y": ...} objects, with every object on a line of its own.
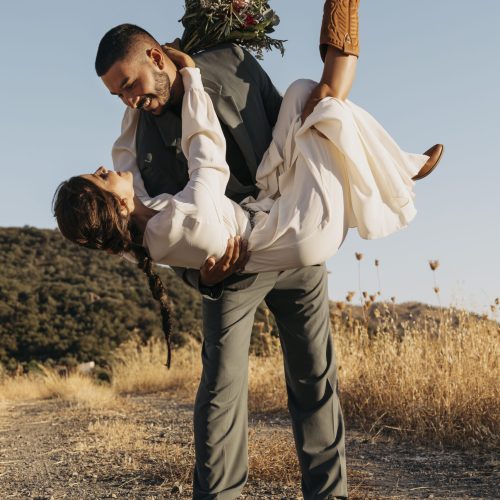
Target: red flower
[{"x": 250, "y": 21}]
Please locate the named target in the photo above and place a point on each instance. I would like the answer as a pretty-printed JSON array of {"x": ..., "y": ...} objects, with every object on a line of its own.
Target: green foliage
[{"x": 60, "y": 303}]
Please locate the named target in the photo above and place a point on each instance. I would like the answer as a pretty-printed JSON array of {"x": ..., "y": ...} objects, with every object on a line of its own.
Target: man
[{"x": 134, "y": 67}]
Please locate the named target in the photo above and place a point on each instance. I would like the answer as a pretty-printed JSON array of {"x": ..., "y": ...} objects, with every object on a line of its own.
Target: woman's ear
[{"x": 124, "y": 206}]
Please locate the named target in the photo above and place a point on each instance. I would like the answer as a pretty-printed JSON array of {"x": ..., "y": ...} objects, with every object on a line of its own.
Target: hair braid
[
  {"x": 158, "y": 291},
  {"x": 92, "y": 217}
]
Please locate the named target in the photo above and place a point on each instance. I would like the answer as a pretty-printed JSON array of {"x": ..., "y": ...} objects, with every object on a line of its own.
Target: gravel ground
[{"x": 141, "y": 447}]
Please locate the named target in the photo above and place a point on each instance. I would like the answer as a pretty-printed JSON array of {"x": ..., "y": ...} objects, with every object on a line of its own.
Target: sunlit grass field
[{"x": 432, "y": 381}]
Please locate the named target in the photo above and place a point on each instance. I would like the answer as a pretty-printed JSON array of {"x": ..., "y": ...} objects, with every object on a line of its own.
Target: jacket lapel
[{"x": 227, "y": 111}]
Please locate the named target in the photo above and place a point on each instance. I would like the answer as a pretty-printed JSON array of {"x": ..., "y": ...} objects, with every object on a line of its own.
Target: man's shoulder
[
  {"x": 221, "y": 52},
  {"x": 227, "y": 61}
]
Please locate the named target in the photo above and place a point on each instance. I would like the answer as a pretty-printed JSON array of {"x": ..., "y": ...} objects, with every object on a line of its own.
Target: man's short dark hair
[{"x": 115, "y": 45}]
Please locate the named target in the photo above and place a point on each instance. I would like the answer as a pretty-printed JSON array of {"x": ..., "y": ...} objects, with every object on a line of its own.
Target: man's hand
[
  {"x": 234, "y": 260},
  {"x": 179, "y": 58}
]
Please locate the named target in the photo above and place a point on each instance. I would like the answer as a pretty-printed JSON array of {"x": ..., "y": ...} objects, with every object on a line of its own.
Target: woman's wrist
[{"x": 191, "y": 78}]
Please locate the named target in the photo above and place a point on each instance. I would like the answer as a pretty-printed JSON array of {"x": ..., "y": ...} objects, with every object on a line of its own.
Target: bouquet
[{"x": 245, "y": 22}]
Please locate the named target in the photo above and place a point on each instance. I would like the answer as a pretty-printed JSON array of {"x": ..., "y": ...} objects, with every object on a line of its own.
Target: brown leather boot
[{"x": 434, "y": 155}]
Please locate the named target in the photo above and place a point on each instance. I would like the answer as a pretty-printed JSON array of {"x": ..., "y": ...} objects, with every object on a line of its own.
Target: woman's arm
[{"x": 203, "y": 141}]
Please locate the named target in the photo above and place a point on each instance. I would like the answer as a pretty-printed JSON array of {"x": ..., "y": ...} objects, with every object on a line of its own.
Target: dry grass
[
  {"x": 437, "y": 382},
  {"x": 142, "y": 369},
  {"x": 75, "y": 388}
]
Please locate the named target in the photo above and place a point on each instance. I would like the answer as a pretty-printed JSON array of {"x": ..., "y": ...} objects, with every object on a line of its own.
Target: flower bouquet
[{"x": 245, "y": 22}]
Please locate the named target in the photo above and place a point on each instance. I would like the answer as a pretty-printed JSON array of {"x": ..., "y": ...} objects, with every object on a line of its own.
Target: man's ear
[{"x": 157, "y": 57}]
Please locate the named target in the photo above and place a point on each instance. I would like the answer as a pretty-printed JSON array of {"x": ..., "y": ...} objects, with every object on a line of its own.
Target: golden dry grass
[
  {"x": 76, "y": 388},
  {"x": 437, "y": 382}
]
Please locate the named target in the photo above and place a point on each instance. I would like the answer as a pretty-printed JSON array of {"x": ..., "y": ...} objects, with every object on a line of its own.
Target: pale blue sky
[{"x": 428, "y": 72}]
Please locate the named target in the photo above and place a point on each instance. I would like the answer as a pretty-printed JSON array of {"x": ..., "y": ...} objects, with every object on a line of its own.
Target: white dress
[{"x": 313, "y": 188}]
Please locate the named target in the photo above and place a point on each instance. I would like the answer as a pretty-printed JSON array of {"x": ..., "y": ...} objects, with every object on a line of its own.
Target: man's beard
[{"x": 162, "y": 90}]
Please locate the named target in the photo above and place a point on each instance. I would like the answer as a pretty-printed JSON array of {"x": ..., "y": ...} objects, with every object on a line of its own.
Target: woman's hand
[
  {"x": 319, "y": 92},
  {"x": 179, "y": 58},
  {"x": 234, "y": 260}
]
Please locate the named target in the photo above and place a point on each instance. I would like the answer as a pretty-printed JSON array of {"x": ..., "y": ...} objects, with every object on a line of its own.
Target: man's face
[{"x": 141, "y": 83}]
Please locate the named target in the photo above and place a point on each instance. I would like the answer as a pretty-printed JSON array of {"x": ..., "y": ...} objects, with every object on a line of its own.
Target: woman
[{"x": 312, "y": 190}]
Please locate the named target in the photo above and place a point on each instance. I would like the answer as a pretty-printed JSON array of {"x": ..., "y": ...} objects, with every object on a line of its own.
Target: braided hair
[{"x": 92, "y": 217}]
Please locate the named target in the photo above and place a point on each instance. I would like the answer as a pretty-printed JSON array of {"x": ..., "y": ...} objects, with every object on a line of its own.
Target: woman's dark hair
[{"x": 92, "y": 217}]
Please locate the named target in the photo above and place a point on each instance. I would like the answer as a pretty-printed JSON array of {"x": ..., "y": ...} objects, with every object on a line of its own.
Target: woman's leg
[{"x": 339, "y": 48}]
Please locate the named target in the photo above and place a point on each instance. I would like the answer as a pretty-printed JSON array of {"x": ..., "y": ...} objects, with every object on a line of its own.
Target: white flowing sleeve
[
  {"x": 203, "y": 142},
  {"x": 125, "y": 160},
  {"x": 191, "y": 227}
]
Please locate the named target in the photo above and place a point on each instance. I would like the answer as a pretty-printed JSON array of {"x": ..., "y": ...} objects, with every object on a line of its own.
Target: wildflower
[
  {"x": 250, "y": 21},
  {"x": 434, "y": 264}
]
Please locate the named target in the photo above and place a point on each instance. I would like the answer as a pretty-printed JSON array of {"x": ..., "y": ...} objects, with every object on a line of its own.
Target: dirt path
[{"x": 141, "y": 447}]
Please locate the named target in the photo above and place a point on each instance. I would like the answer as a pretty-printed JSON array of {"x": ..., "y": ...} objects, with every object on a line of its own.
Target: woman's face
[{"x": 119, "y": 183}]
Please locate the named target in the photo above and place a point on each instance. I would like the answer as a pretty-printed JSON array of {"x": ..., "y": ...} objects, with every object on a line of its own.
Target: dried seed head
[
  {"x": 436, "y": 289},
  {"x": 493, "y": 308},
  {"x": 373, "y": 297},
  {"x": 377, "y": 262},
  {"x": 434, "y": 264},
  {"x": 358, "y": 255},
  {"x": 350, "y": 296},
  {"x": 365, "y": 295},
  {"x": 340, "y": 306},
  {"x": 376, "y": 313},
  {"x": 393, "y": 300},
  {"x": 497, "y": 301},
  {"x": 378, "y": 293}
]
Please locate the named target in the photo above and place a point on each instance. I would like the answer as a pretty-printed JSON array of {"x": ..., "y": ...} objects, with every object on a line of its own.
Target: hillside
[{"x": 67, "y": 304}]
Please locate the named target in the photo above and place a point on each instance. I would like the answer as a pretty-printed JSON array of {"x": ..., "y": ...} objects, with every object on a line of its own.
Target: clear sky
[{"x": 428, "y": 71}]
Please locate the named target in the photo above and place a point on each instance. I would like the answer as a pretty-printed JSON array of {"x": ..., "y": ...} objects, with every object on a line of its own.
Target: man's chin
[{"x": 158, "y": 111}]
